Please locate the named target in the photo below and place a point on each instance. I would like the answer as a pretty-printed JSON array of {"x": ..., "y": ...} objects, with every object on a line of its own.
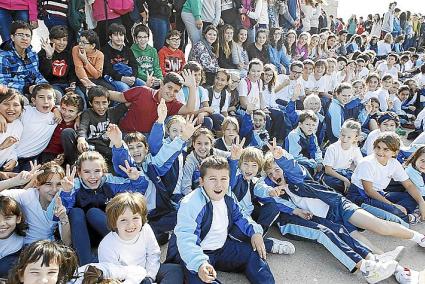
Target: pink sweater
[
  {"x": 29, "y": 5},
  {"x": 99, "y": 11}
]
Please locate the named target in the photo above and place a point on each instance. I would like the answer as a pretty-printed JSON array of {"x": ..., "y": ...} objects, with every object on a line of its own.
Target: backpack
[{"x": 249, "y": 85}]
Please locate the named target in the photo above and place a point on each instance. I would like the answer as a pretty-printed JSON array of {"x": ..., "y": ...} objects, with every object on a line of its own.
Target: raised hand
[
  {"x": 277, "y": 151},
  {"x": 29, "y": 178},
  {"x": 115, "y": 135},
  {"x": 162, "y": 111},
  {"x": 150, "y": 79},
  {"x": 83, "y": 55},
  {"x": 236, "y": 149},
  {"x": 9, "y": 141},
  {"x": 60, "y": 210},
  {"x": 189, "y": 79},
  {"x": 132, "y": 172},
  {"x": 67, "y": 182},
  {"x": 48, "y": 48},
  {"x": 189, "y": 128},
  {"x": 297, "y": 92}
]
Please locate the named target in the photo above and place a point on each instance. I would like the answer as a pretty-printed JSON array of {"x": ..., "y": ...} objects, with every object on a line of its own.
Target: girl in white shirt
[
  {"x": 374, "y": 174},
  {"x": 342, "y": 156},
  {"x": 12, "y": 232},
  {"x": 132, "y": 241},
  {"x": 11, "y": 106}
]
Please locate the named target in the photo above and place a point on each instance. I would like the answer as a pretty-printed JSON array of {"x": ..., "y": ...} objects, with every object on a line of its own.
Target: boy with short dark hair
[
  {"x": 95, "y": 121},
  {"x": 120, "y": 65},
  {"x": 171, "y": 58},
  {"x": 207, "y": 249}
]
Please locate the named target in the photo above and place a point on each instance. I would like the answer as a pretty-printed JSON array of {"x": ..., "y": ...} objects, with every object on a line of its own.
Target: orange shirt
[{"x": 93, "y": 69}]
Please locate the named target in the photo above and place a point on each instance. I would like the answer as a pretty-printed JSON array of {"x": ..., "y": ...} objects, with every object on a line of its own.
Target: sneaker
[
  {"x": 407, "y": 276},
  {"x": 395, "y": 254},
  {"x": 375, "y": 272},
  {"x": 282, "y": 247},
  {"x": 415, "y": 218},
  {"x": 422, "y": 242}
]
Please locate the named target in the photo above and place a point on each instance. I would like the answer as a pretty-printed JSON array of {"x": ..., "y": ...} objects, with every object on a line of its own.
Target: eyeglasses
[
  {"x": 83, "y": 42},
  {"x": 296, "y": 72},
  {"x": 175, "y": 39},
  {"x": 21, "y": 35},
  {"x": 142, "y": 37}
]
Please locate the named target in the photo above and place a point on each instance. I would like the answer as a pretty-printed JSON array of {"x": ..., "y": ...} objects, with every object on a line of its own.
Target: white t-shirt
[
  {"x": 314, "y": 205},
  {"x": 383, "y": 96},
  {"x": 369, "y": 169},
  {"x": 340, "y": 159},
  {"x": 420, "y": 120},
  {"x": 368, "y": 144},
  {"x": 331, "y": 82},
  {"x": 287, "y": 92},
  {"x": 215, "y": 104},
  {"x": 318, "y": 86},
  {"x": 269, "y": 98},
  {"x": 14, "y": 129},
  {"x": 217, "y": 235},
  {"x": 11, "y": 245},
  {"x": 383, "y": 69},
  {"x": 142, "y": 251},
  {"x": 383, "y": 48},
  {"x": 420, "y": 79},
  {"x": 40, "y": 225},
  {"x": 254, "y": 93},
  {"x": 38, "y": 130},
  {"x": 363, "y": 73}
]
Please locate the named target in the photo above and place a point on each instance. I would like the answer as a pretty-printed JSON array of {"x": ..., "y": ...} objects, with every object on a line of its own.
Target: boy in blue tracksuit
[
  {"x": 245, "y": 164},
  {"x": 204, "y": 219},
  {"x": 309, "y": 211},
  {"x": 303, "y": 145}
]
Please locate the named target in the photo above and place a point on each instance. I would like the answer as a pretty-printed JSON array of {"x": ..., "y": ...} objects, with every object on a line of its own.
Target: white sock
[{"x": 417, "y": 237}]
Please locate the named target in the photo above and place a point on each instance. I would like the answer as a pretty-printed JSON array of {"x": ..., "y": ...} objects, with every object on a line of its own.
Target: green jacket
[
  {"x": 194, "y": 7},
  {"x": 147, "y": 61}
]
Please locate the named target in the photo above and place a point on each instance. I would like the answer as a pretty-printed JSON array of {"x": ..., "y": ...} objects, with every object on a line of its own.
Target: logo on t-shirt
[{"x": 59, "y": 68}]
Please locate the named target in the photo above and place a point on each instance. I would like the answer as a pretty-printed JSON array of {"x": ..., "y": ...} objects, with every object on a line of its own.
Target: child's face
[
  {"x": 308, "y": 126},
  {"x": 261, "y": 38},
  {"x": 314, "y": 105},
  {"x": 242, "y": 36},
  {"x": 391, "y": 60},
  {"x": 386, "y": 84},
  {"x": 198, "y": 77},
  {"x": 100, "y": 105},
  {"x": 383, "y": 153},
  {"x": 220, "y": 81},
  {"x": 211, "y": 36},
  {"x": 215, "y": 183},
  {"x": 228, "y": 35},
  {"x": 308, "y": 69},
  {"x": 175, "y": 130},
  {"x": 129, "y": 224},
  {"x": 345, "y": 96},
  {"x": 275, "y": 174},
  {"x": 69, "y": 113},
  {"x": 412, "y": 85},
  {"x": 374, "y": 108},
  {"x": 331, "y": 42},
  {"x": 319, "y": 69},
  {"x": 259, "y": 122},
  {"x": 341, "y": 65},
  {"x": 358, "y": 89},
  {"x": 8, "y": 225},
  {"x": 36, "y": 273},
  {"x": 373, "y": 84},
  {"x": 348, "y": 137},
  {"x": 49, "y": 189},
  {"x": 231, "y": 132},
  {"x": 22, "y": 38},
  {"x": 351, "y": 67},
  {"x": 169, "y": 91},
  {"x": 174, "y": 42},
  {"x": 302, "y": 40},
  {"x": 268, "y": 76},
  {"x": 138, "y": 151},
  {"x": 403, "y": 95},
  {"x": 277, "y": 35},
  {"x": 420, "y": 163},
  {"x": 249, "y": 169},
  {"x": 117, "y": 39},
  {"x": 60, "y": 43},
  {"x": 314, "y": 41},
  {"x": 142, "y": 39},
  {"x": 85, "y": 45},
  {"x": 394, "y": 88},
  {"x": 11, "y": 109},
  {"x": 254, "y": 73},
  {"x": 44, "y": 101},
  {"x": 91, "y": 173},
  {"x": 388, "y": 125},
  {"x": 234, "y": 82},
  {"x": 331, "y": 67},
  {"x": 202, "y": 146}
]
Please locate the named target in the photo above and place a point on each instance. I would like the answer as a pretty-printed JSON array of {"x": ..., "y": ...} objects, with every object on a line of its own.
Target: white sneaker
[
  {"x": 282, "y": 247},
  {"x": 395, "y": 254},
  {"x": 375, "y": 272},
  {"x": 407, "y": 276}
]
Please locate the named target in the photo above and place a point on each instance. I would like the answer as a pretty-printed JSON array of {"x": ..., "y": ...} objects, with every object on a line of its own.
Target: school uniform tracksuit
[
  {"x": 194, "y": 220},
  {"x": 333, "y": 232}
]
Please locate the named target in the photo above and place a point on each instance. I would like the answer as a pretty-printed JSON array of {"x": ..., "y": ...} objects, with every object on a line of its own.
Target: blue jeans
[
  {"x": 160, "y": 28},
  {"x": 80, "y": 236},
  {"x": 6, "y": 19},
  {"x": 122, "y": 87}
]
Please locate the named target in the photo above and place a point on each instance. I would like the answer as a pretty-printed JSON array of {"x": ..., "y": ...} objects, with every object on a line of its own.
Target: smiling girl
[{"x": 11, "y": 106}]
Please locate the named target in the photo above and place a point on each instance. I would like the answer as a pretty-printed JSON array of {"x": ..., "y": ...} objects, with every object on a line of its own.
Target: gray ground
[{"x": 312, "y": 263}]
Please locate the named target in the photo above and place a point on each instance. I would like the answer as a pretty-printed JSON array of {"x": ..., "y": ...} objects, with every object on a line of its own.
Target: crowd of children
[{"x": 111, "y": 147}]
